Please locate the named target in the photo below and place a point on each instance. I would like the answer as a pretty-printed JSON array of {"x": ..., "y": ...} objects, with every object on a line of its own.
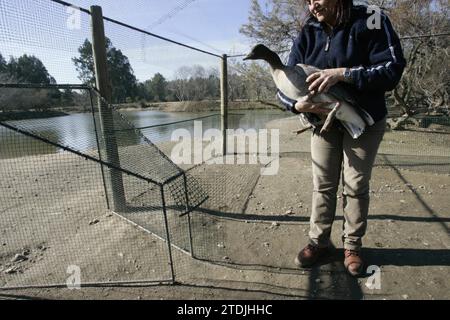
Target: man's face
[{"x": 323, "y": 10}]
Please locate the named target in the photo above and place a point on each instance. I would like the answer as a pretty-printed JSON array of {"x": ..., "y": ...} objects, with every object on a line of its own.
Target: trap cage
[
  {"x": 70, "y": 176},
  {"x": 66, "y": 180}
]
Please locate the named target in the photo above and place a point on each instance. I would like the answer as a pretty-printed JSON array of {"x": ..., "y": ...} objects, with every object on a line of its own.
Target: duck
[{"x": 291, "y": 81}]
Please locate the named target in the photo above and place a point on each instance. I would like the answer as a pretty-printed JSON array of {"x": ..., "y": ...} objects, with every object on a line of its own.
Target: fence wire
[
  {"x": 72, "y": 162},
  {"x": 53, "y": 209},
  {"x": 61, "y": 173}
]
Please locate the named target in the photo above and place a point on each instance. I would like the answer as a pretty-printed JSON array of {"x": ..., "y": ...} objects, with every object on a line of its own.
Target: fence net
[
  {"x": 55, "y": 217},
  {"x": 69, "y": 166},
  {"x": 120, "y": 169}
]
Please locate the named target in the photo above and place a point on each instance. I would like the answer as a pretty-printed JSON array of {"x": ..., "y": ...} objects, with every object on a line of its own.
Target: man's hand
[{"x": 323, "y": 80}]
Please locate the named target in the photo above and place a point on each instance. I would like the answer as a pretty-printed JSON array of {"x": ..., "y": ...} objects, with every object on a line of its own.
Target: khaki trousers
[{"x": 333, "y": 153}]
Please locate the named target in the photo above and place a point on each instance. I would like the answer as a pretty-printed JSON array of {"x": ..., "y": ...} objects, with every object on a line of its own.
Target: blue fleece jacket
[{"x": 374, "y": 56}]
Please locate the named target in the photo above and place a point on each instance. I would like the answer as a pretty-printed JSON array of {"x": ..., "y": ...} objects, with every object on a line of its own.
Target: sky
[
  {"x": 214, "y": 22},
  {"x": 40, "y": 28}
]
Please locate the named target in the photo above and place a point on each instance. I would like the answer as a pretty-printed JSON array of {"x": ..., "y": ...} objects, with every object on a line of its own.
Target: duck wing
[
  {"x": 341, "y": 92},
  {"x": 291, "y": 81},
  {"x": 338, "y": 91}
]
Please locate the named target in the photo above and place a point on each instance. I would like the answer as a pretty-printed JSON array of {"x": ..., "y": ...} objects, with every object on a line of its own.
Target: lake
[{"x": 78, "y": 129}]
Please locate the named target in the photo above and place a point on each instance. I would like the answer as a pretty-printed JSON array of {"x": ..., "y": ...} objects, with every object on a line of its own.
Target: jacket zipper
[{"x": 327, "y": 47}]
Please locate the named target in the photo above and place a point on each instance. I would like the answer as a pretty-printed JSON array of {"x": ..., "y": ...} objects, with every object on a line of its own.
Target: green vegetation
[{"x": 190, "y": 85}]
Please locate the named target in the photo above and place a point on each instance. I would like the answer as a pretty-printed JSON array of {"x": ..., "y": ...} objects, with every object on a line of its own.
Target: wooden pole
[
  {"x": 224, "y": 102},
  {"x": 106, "y": 115}
]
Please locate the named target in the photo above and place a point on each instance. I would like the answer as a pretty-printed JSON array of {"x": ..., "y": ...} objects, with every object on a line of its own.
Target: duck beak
[{"x": 248, "y": 57}]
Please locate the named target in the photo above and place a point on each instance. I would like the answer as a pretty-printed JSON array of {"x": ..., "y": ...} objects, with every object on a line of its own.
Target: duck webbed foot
[{"x": 330, "y": 118}]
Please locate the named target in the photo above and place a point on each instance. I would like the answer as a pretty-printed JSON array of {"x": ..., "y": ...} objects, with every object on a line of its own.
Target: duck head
[{"x": 261, "y": 52}]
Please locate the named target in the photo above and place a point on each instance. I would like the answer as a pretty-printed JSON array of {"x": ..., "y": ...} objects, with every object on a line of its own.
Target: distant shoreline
[
  {"x": 28, "y": 115},
  {"x": 190, "y": 106},
  {"x": 200, "y": 106}
]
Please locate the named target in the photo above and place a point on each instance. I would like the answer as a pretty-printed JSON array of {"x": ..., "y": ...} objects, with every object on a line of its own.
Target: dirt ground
[{"x": 244, "y": 239}]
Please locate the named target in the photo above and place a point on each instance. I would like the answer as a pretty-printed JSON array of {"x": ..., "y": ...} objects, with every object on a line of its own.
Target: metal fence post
[
  {"x": 224, "y": 101},
  {"x": 106, "y": 116},
  {"x": 169, "y": 243},
  {"x": 108, "y": 203}
]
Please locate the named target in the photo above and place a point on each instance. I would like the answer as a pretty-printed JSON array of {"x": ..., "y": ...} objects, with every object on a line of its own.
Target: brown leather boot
[
  {"x": 353, "y": 262},
  {"x": 309, "y": 255}
]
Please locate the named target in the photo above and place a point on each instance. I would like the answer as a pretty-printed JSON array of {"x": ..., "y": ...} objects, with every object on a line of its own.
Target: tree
[
  {"x": 195, "y": 83},
  {"x": 29, "y": 69},
  {"x": 157, "y": 87},
  {"x": 277, "y": 25},
  {"x": 84, "y": 64},
  {"x": 213, "y": 84},
  {"x": 121, "y": 74},
  {"x": 179, "y": 86},
  {"x": 3, "y": 64},
  {"x": 258, "y": 82},
  {"x": 142, "y": 91},
  {"x": 26, "y": 69},
  {"x": 67, "y": 97},
  {"x": 426, "y": 82},
  {"x": 236, "y": 85},
  {"x": 198, "y": 83},
  {"x": 424, "y": 87}
]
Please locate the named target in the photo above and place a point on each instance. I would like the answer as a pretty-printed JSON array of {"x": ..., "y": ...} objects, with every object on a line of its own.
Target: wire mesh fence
[
  {"x": 54, "y": 208},
  {"x": 65, "y": 174},
  {"x": 77, "y": 171},
  {"x": 84, "y": 175}
]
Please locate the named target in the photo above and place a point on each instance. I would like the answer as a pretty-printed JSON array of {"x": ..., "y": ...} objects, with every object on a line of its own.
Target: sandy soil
[{"x": 244, "y": 239}]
